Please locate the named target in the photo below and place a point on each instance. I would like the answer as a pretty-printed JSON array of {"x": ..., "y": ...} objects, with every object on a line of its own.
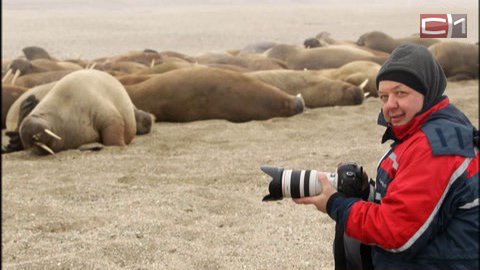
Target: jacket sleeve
[{"x": 406, "y": 217}]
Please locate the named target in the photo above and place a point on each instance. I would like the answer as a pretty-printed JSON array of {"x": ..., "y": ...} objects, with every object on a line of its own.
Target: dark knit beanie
[{"x": 404, "y": 77}]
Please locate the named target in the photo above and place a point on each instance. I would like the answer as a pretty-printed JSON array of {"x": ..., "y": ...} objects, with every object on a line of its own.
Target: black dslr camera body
[{"x": 348, "y": 180}]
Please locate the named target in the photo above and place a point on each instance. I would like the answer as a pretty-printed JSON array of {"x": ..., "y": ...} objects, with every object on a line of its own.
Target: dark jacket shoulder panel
[{"x": 449, "y": 138}]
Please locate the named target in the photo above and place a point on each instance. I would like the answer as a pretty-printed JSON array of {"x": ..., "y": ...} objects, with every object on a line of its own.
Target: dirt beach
[{"x": 188, "y": 195}]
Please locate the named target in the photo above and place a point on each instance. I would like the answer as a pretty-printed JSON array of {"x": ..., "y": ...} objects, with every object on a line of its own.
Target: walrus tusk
[
  {"x": 363, "y": 84},
  {"x": 367, "y": 94},
  {"x": 44, "y": 147},
  {"x": 90, "y": 67},
  {"x": 17, "y": 73},
  {"x": 49, "y": 132},
  {"x": 7, "y": 75},
  {"x": 152, "y": 63}
]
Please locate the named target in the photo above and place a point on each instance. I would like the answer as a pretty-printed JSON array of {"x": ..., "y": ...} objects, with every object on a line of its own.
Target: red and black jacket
[{"x": 425, "y": 213}]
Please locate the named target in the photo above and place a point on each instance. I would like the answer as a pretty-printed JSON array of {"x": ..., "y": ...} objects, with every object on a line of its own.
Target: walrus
[
  {"x": 317, "y": 90},
  {"x": 201, "y": 93},
  {"x": 382, "y": 42},
  {"x": 122, "y": 67},
  {"x": 324, "y": 39},
  {"x": 22, "y": 67},
  {"x": 312, "y": 43},
  {"x": 34, "y": 52},
  {"x": 166, "y": 66},
  {"x": 320, "y": 58},
  {"x": 257, "y": 47},
  {"x": 133, "y": 78},
  {"x": 34, "y": 79},
  {"x": 25, "y": 67},
  {"x": 139, "y": 57},
  {"x": 246, "y": 61},
  {"x": 355, "y": 73},
  {"x": 459, "y": 60},
  {"x": 15, "y": 115},
  {"x": 14, "y": 142},
  {"x": 51, "y": 65},
  {"x": 10, "y": 94},
  {"x": 13, "y": 119},
  {"x": 85, "y": 106}
]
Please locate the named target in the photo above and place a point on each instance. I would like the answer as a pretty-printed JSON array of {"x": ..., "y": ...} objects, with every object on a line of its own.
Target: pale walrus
[
  {"x": 459, "y": 60},
  {"x": 200, "y": 93},
  {"x": 317, "y": 90},
  {"x": 85, "y": 106},
  {"x": 382, "y": 42},
  {"x": 13, "y": 118}
]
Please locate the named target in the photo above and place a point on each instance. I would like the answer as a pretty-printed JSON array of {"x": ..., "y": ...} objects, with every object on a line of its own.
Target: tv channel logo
[{"x": 443, "y": 25}]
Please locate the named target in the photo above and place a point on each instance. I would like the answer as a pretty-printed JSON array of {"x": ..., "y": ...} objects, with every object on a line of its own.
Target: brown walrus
[
  {"x": 24, "y": 67},
  {"x": 382, "y": 42},
  {"x": 355, "y": 73},
  {"x": 166, "y": 66},
  {"x": 35, "y": 52},
  {"x": 248, "y": 61},
  {"x": 200, "y": 93},
  {"x": 133, "y": 78},
  {"x": 324, "y": 39},
  {"x": 459, "y": 60},
  {"x": 10, "y": 94},
  {"x": 34, "y": 79},
  {"x": 320, "y": 58},
  {"x": 317, "y": 90},
  {"x": 51, "y": 65},
  {"x": 83, "y": 107}
]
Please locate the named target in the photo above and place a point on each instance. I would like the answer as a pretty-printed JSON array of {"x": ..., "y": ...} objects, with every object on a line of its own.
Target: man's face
[{"x": 400, "y": 103}]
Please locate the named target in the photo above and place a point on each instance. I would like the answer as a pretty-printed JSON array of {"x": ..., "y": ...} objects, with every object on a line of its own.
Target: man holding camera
[{"x": 423, "y": 211}]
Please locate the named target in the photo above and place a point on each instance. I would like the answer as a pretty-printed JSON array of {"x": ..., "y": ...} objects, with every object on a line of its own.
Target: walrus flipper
[
  {"x": 144, "y": 121},
  {"x": 14, "y": 143},
  {"x": 91, "y": 147}
]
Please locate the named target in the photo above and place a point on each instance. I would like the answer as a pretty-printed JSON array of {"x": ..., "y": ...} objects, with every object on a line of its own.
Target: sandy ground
[{"x": 188, "y": 196}]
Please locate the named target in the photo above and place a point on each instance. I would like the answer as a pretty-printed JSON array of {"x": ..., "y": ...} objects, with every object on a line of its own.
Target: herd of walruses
[{"x": 51, "y": 104}]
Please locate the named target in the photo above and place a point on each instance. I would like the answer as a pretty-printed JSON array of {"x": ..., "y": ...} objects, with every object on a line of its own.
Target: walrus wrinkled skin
[
  {"x": 201, "y": 93},
  {"x": 382, "y": 42},
  {"x": 459, "y": 60},
  {"x": 317, "y": 90},
  {"x": 85, "y": 106}
]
